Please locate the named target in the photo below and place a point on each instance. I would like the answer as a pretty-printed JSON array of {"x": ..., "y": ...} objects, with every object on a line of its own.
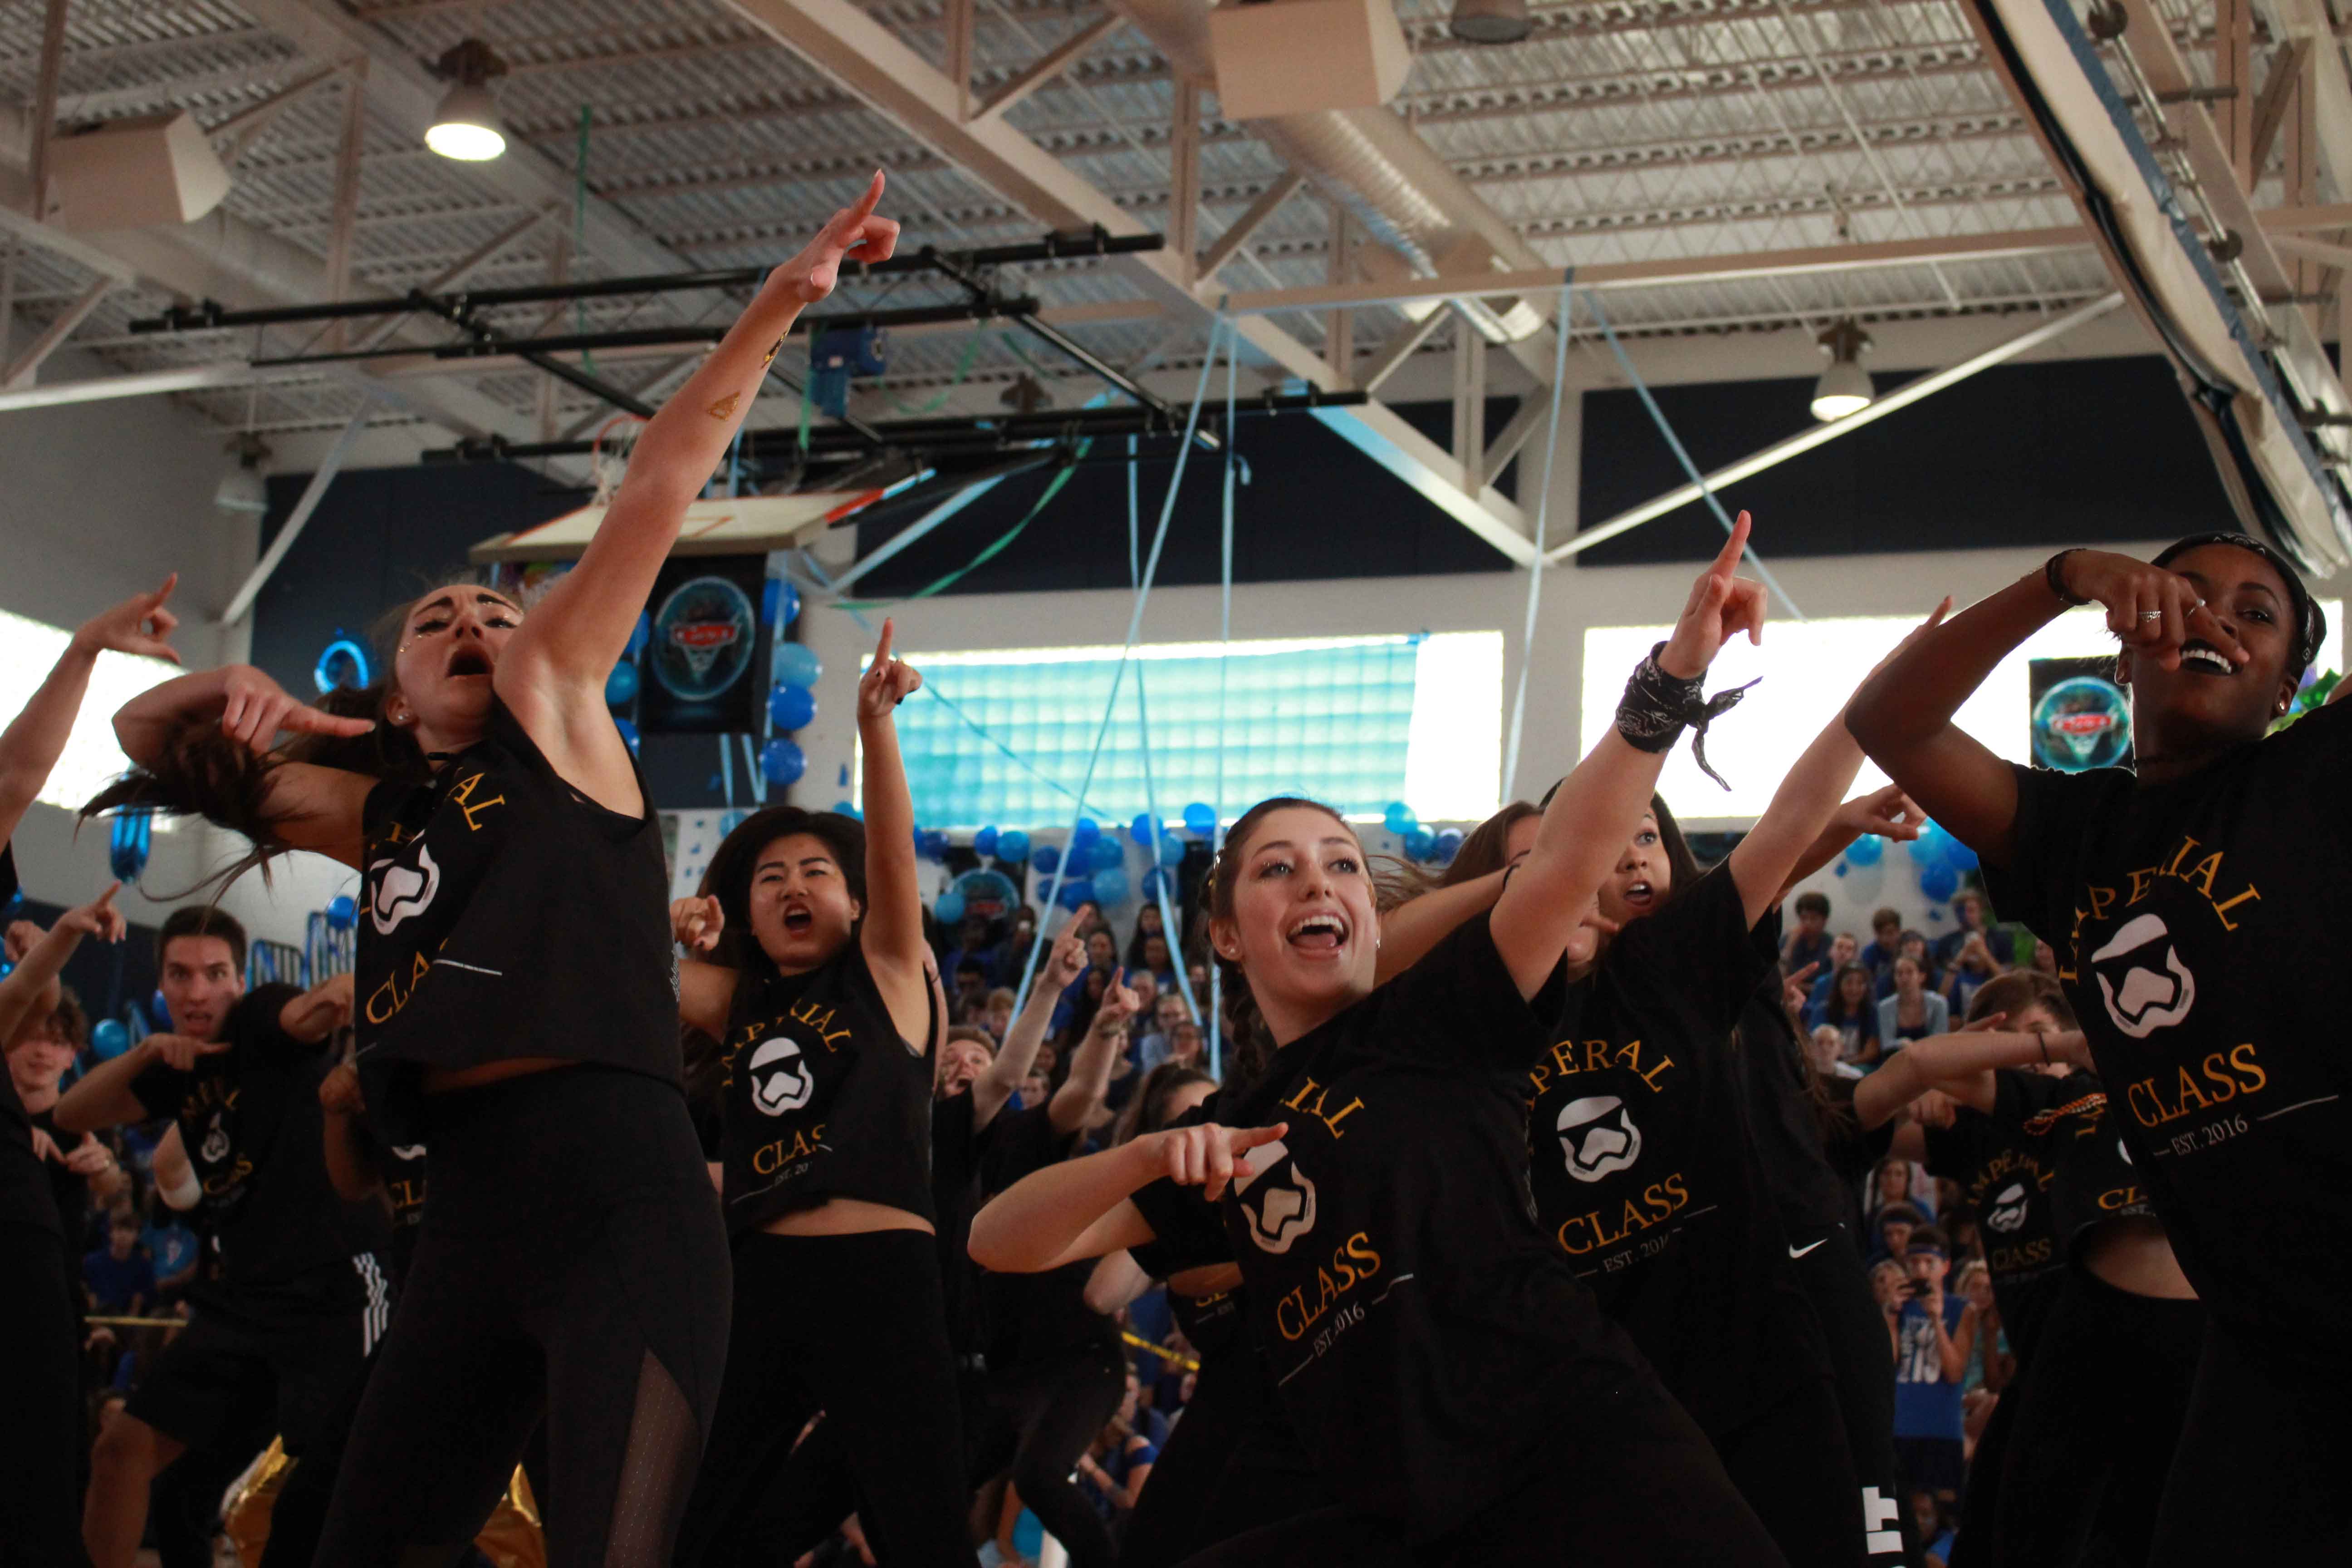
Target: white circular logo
[
  {"x": 1278, "y": 1204},
  {"x": 781, "y": 1080},
  {"x": 215, "y": 1144},
  {"x": 1598, "y": 1136},
  {"x": 398, "y": 891},
  {"x": 2008, "y": 1212},
  {"x": 2142, "y": 999}
]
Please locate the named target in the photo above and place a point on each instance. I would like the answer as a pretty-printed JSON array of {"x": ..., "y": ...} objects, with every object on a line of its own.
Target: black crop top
[
  {"x": 507, "y": 915},
  {"x": 822, "y": 1097}
]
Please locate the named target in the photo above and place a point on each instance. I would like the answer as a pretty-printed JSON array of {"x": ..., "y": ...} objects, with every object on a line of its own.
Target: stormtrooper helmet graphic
[
  {"x": 2142, "y": 980},
  {"x": 2008, "y": 1211},
  {"x": 215, "y": 1144},
  {"x": 781, "y": 1080},
  {"x": 1598, "y": 1136},
  {"x": 397, "y": 891},
  {"x": 1276, "y": 1198}
]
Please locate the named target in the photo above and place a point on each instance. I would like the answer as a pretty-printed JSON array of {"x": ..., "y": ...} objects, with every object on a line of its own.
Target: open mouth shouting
[
  {"x": 2205, "y": 659},
  {"x": 1324, "y": 932},
  {"x": 1639, "y": 896},
  {"x": 798, "y": 920},
  {"x": 468, "y": 661}
]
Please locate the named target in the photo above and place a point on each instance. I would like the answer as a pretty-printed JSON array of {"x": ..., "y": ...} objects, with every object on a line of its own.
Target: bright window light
[
  {"x": 1808, "y": 669},
  {"x": 1354, "y": 722},
  {"x": 91, "y": 759}
]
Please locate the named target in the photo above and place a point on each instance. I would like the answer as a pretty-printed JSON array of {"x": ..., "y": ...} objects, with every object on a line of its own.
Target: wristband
[
  {"x": 2053, "y": 576},
  {"x": 1657, "y": 707}
]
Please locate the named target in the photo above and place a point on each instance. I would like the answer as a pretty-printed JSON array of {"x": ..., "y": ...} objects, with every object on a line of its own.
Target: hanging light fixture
[
  {"x": 241, "y": 487},
  {"x": 1490, "y": 21},
  {"x": 1844, "y": 388},
  {"x": 466, "y": 126}
]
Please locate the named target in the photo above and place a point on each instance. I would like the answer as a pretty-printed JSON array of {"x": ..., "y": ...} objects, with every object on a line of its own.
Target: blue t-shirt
[
  {"x": 1927, "y": 1404},
  {"x": 172, "y": 1246},
  {"x": 113, "y": 1280}
]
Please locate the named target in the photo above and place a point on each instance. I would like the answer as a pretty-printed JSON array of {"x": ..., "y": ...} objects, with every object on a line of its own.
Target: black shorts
[
  {"x": 235, "y": 1377},
  {"x": 1931, "y": 1464}
]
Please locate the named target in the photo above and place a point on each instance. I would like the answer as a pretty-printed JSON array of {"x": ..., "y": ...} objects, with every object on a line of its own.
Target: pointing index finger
[
  {"x": 1735, "y": 545},
  {"x": 882, "y": 648},
  {"x": 863, "y": 208}
]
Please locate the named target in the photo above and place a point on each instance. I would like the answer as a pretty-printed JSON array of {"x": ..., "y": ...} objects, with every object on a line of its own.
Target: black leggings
[
  {"x": 41, "y": 1439},
  {"x": 2259, "y": 1475},
  {"x": 1791, "y": 1463},
  {"x": 2099, "y": 1411},
  {"x": 1043, "y": 1415},
  {"x": 572, "y": 1263},
  {"x": 1632, "y": 1486},
  {"x": 1862, "y": 1359},
  {"x": 854, "y": 1326},
  {"x": 1232, "y": 1465}
]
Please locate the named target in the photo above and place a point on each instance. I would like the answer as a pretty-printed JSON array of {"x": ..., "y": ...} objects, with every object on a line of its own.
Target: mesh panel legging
[
  {"x": 572, "y": 1264},
  {"x": 854, "y": 1326}
]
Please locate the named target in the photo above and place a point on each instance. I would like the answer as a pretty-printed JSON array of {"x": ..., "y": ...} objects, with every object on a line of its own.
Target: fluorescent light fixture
[
  {"x": 1490, "y": 22},
  {"x": 241, "y": 487},
  {"x": 1844, "y": 388}
]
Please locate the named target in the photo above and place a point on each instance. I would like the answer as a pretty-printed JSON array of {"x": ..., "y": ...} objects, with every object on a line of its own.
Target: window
[
  {"x": 91, "y": 759},
  {"x": 1810, "y": 668},
  {"x": 1356, "y": 722}
]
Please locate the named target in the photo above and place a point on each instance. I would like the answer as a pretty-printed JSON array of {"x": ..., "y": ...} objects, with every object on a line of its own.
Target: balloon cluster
[
  {"x": 1941, "y": 858},
  {"x": 1421, "y": 844},
  {"x": 792, "y": 704}
]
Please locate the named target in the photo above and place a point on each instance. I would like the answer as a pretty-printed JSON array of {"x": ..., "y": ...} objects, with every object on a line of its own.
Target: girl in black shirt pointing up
[
  {"x": 2195, "y": 907},
  {"x": 516, "y": 1010},
  {"x": 1458, "y": 1387}
]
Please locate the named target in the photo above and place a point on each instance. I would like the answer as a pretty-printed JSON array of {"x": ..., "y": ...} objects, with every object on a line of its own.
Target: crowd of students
[{"x": 1521, "y": 1220}]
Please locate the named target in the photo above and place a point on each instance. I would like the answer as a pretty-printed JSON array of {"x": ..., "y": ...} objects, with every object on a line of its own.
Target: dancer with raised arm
[
  {"x": 2190, "y": 903},
  {"x": 818, "y": 990},
  {"x": 516, "y": 1008},
  {"x": 1456, "y": 1385}
]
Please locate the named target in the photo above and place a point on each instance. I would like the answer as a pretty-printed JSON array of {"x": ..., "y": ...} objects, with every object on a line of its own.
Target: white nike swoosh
[{"x": 1801, "y": 1251}]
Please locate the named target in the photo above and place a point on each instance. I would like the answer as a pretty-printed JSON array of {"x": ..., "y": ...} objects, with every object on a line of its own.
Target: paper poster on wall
[
  {"x": 2080, "y": 718},
  {"x": 700, "y": 666},
  {"x": 690, "y": 839}
]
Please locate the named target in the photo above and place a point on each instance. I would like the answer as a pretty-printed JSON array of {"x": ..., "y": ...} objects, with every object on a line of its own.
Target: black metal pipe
[{"x": 210, "y": 316}]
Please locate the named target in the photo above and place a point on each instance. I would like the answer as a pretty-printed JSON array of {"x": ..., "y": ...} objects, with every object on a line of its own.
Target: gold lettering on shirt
[
  {"x": 1598, "y": 1228},
  {"x": 1354, "y": 1261},
  {"x": 1314, "y": 1108},
  {"x": 819, "y": 1017},
  {"x": 770, "y": 1158},
  {"x": 1570, "y": 1056},
  {"x": 2175, "y": 1092},
  {"x": 464, "y": 795}
]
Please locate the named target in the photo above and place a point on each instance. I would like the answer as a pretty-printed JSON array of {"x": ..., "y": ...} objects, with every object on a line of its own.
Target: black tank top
[
  {"x": 823, "y": 1097},
  {"x": 507, "y": 915}
]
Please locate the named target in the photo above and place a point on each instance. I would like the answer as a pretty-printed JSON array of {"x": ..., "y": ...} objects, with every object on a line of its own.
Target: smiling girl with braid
[
  {"x": 2194, "y": 905},
  {"x": 516, "y": 1010}
]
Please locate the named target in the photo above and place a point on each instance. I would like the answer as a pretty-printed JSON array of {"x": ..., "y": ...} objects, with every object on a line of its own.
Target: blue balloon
[
  {"x": 1927, "y": 848},
  {"x": 848, "y": 809},
  {"x": 1959, "y": 855},
  {"x": 790, "y": 707},
  {"x": 109, "y": 1038},
  {"x": 948, "y": 908},
  {"x": 628, "y": 734},
  {"x": 341, "y": 913},
  {"x": 1400, "y": 817},
  {"x": 1171, "y": 850},
  {"x": 643, "y": 634},
  {"x": 1110, "y": 887},
  {"x": 782, "y": 760},
  {"x": 1201, "y": 818},
  {"x": 1085, "y": 832},
  {"x": 1103, "y": 854},
  {"x": 983, "y": 842},
  {"x": 1075, "y": 891},
  {"x": 795, "y": 664},
  {"x": 1449, "y": 845},
  {"x": 620, "y": 686},
  {"x": 160, "y": 1010},
  {"x": 1012, "y": 845},
  {"x": 1043, "y": 858},
  {"x": 934, "y": 844},
  {"x": 1419, "y": 843},
  {"x": 1140, "y": 829},
  {"x": 1940, "y": 882},
  {"x": 1154, "y": 881},
  {"x": 786, "y": 595},
  {"x": 1866, "y": 851}
]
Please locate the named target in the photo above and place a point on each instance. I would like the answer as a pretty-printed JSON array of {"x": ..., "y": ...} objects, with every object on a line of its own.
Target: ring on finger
[{"x": 2151, "y": 615}]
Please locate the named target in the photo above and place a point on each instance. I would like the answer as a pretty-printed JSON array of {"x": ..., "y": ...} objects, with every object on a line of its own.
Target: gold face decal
[{"x": 725, "y": 407}]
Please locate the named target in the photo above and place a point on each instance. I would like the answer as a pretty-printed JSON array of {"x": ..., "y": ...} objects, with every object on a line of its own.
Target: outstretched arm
[
  {"x": 319, "y": 1012},
  {"x": 995, "y": 1087},
  {"x": 552, "y": 672},
  {"x": 1080, "y": 1209},
  {"x": 37, "y": 737},
  {"x": 1077, "y": 1104},
  {"x": 30, "y": 984},
  {"x": 1885, "y": 812},
  {"x": 892, "y": 934},
  {"x": 1903, "y": 715},
  {"x": 1960, "y": 1065},
  {"x": 1593, "y": 813}
]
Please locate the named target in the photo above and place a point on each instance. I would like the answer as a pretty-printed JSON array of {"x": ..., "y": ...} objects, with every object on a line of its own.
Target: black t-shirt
[
  {"x": 1645, "y": 1177},
  {"x": 822, "y": 1096},
  {"x": 24, "y": 1185},
  {"x": 2196, "y": 924},
  {"x": 507, "y": 915},
  {"x": 1776, "y": 1085},
  {"x": 402, "y": 1168},
  {"x": 1215, "y": 1325},
  {"x": 2046, "y": 1145},
  {"x": 68, "y": 1190},
  {"x": 251, "y": 1121},
  {"x": 1427, "y": 1338},
  {"x": 1027, "y": 1319},
  {"x": 957, "y": 1148}
]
